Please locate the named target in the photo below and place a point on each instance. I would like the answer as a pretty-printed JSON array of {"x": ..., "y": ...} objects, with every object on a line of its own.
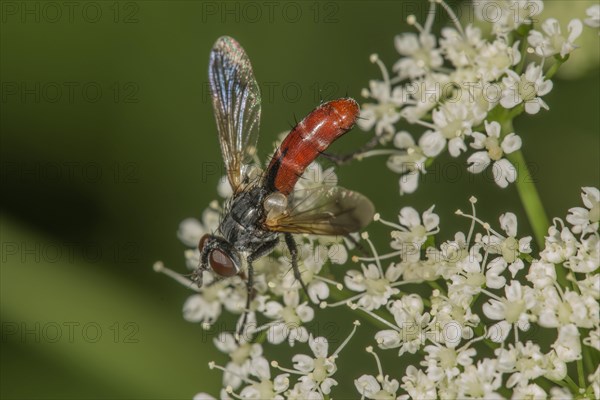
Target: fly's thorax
[{"x": 242, "y": 223}]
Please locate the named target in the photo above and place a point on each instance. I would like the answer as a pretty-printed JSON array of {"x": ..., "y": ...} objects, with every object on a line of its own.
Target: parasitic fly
[{"x": 265, "y": 207}]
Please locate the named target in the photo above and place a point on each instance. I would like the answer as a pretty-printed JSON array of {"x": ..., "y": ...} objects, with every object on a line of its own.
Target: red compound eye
[{"x": 222, "y": 264}]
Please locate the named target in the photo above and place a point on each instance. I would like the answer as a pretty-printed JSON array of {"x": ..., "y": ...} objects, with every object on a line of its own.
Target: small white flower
[
  {"x": 241, "y": 354},
  {"x": 504, "y": 172},
  {"x": 551, "y": 41},
  {"x": 587, "y": 258},
  {"x": 206, "y": 307},
  {"x": 560, "y": 246},
  {"x": 444, "y": 362},
  {"x": 586, "y": 219},
  {"x": 524, "y": 361},
  {"x": 369, "y": 387},
  {"x": 383, "y": 114},
  {"x": 453, "y": 319},
  {"x": 452, "y": 125},
  {"x": 554, "y": 367},
  {"x": 496, "y": 58},
  {"x": 317, "y": 371},
  {"x": 568, "y": 308},
  {"x": 301, "y": 392},
  {"x": 527, "y": 88},
  {"x": 266, "y": 388},
  {"x": 418, "y": 385},
  {"x": 568, "y": 345},
  {"x": 531, "y": 391},
  {"x": 376, "y": 288},
  {"x": 411, "y": 324},
  {"x": 469, "y": 277},
  {"x": 461, "y": 50},
  {"x": 593, "y": 13},
  {"x": 480, "y": 381},
  {"x": 409, "y": 164},
  {"x": 420, "y": 54},
  {"x": 541, "y": 274},
  {"x": 515, "y": 308},
  {"x": 413, "y": 269},
  {"x": 413, "y": 231},
  {"x": 498, "y": 332},
  {"x": 590, "y": 286},
  {"x": 423, "y": 94},
  {"x": 509, "y": 247},
  {"x": 289, "y": 319}
]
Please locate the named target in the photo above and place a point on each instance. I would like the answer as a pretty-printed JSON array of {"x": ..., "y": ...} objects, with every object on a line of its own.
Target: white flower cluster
[
  {"x": 314, "y": 372},
  {"x": 492, "y": 270},
  {"x": 461, "y": 83},
  {"x": 485, "y": 269}
]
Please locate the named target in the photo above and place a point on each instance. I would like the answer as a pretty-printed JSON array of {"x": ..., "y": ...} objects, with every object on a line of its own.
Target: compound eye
[
  {"x": 222, "y": 264},
  {"x": 202, "y": 241}
]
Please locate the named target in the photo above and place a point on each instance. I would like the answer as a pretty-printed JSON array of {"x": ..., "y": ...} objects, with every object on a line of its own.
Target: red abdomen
[{"x": 307, "y": 140}]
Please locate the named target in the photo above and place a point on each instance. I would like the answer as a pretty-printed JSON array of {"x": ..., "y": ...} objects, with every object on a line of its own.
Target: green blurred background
[{"x": 108, "y": 142}]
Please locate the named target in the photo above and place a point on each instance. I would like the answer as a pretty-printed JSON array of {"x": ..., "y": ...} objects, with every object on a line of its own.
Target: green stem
[
  {"x": 560, "y": 383},
  {"x": 338, "y": 295},
  {"x": 580, "y": 373},
  {"x": 564, "y": 383},
  {"x": 572, "y": 384},
  {"x": 554, "y": 68},
  {"x": 587, "y": 358},
  {"x": 530, "y": 199},
  {"x": 532, "y": 203}
]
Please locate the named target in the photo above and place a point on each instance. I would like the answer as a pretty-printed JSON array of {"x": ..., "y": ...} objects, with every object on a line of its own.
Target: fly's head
[{"x": 218, "y": 255}]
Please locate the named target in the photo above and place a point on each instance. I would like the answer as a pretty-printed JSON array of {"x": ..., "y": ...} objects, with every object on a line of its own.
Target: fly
[{"x": 264, "y": 208}]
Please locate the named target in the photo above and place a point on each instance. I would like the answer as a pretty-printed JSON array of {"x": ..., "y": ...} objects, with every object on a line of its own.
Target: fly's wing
[
  {"x": 236, "y": 103},
  {"x": 324, "y": 210}
]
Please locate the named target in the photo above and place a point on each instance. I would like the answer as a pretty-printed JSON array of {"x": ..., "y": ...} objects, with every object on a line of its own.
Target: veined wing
[
  {"x": 236, "y": 102},
  {"x": 325, "y": 210}
]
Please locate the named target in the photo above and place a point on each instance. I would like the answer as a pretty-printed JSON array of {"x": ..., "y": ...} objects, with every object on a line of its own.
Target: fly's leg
[
  {"x": 291, "y": 244},
  {"x": 249, "y": 295},
  {"x": 339, "y": 159},
  {"x": 359, "y": 246},
  {"x": 262, "y": 250}
]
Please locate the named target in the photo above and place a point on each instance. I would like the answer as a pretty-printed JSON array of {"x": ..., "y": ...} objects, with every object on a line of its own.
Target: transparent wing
[
  {"x": 236, "y": 103},
  {"x": 325, "y": 210}
]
